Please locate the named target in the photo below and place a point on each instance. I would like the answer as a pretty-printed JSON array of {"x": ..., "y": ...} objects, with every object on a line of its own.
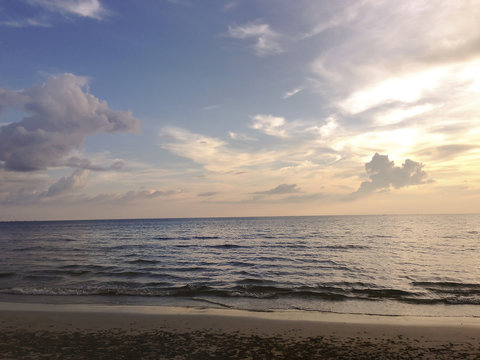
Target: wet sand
[{"x": 29, "y": 331}]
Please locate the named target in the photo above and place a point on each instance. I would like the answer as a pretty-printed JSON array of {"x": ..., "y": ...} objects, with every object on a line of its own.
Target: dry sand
[{"x": 29, "y": 331}]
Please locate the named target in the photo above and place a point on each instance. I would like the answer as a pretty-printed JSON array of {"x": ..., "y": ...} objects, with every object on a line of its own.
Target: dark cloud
[
  {"x": 61, "y": 113},
  {"x": 383, "y": 174},
  {"x": 280, "y": 190}
]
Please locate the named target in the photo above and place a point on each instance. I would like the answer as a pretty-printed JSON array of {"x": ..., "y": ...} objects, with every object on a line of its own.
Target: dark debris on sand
[{"x": 116, "y": 344}]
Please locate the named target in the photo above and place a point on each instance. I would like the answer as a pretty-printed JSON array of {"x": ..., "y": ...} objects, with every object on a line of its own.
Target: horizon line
[{"x": 237, "y": 217}]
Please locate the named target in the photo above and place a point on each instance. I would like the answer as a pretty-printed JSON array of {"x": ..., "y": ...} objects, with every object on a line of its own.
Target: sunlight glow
[
  {"x": 397, "y": 115},
  {"x": 405, "y": 89}
]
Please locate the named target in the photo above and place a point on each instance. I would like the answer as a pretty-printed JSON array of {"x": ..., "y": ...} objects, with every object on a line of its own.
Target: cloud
[
  {"x": 302, "y": 198},
  {"x": 232, "y": 166},
  {"x": 43, "y": 13},
  {"x": 343, "y": 13},
  {"x": 396, "y": 115},
  {"x": 447, "y": 151},
  {"x": 230, "y": 6},
  {"x": 76, "y": 162},
  {"x": 292, "y": 93},
  {"x": 20, "y": 23},
  {"x": 66, "y": 184},
  {"x": 210, "y": 107},
  {"x": 419, "y": 46},
  {"x": 83, "y": 8},
  {"x": 210, "y": 152},
  {"x": 280, "y": 190},
  {"x": 61, "y": 113},
  {"x": 270, "y": 125},
  {"x": 277, "y": 126},
  {"x": 197, "y": 147},
  {"x": 129, "y": 196},
  {"x": 9, "y": 98},
  {"x": 156, "y": 193},
  {"x": 390, "y": 91},
  {"x": 383, "y": 173},
  {"x": 267, "y": 40},
  {"x": 328, "y": 128},
  {"x": 208, "y": 194},
  {"x": 408, "y": 88},
  {"x": 241, "y": 137},
  {"x": 21, "y": 188},
  {"x": 180, "y": 2}
]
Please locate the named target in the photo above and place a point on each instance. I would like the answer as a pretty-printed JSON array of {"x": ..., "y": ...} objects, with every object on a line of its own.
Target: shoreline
[
  {"x": 285, "y": 315},
  {"x": 113, "y": 331}
]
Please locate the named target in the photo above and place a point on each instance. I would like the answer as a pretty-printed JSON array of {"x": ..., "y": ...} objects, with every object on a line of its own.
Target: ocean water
[{"x": 392, "y": 265}]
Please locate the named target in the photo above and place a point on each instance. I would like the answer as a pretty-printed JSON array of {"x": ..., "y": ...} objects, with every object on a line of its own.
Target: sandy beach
[{"x": 30, "y": 331}]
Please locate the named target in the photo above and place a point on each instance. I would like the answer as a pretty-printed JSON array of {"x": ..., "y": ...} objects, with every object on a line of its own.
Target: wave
[
  {"x": 41, "y": 277},
  {"x": 93, "y": 268},
  {"x": 247, "y": 288},
  {"x": 292, "y": 246},
  {"x": 445, "y": 285},
  {"x": 448, "y": 289},
  {"x": 252, "y": 281},
  {"x": 6, "y": 275},
  {"x": 379, "y": 236},
  {"x": 142, "y": 261},
  {"x": 33, "y": 248},
  {"x": 131, "y": 274},
  {"x": 296, "y": 260},
  {"x": 219, "y": 246},
  {"x": 344, "y": 247},
  {"x": 385, "y": 293},
  {"x": 189, "y": 268},
  {"x": 198, "y": 237},
  {"x": 123, "y": 247},
  {"x": 208, "y": 301},
  {"x": 57, "y": 272},
  {"x": 63, "y": 239},
  {"x": 241, "y": 264},
  {"x": 226, "y": 246}
]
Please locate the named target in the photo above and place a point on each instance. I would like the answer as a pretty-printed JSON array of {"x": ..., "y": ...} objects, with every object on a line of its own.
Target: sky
[{"x": 188, "y": 108}]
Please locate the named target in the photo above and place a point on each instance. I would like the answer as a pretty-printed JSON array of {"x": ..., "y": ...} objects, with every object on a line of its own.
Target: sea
[{"x": 423, "y": 265}]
